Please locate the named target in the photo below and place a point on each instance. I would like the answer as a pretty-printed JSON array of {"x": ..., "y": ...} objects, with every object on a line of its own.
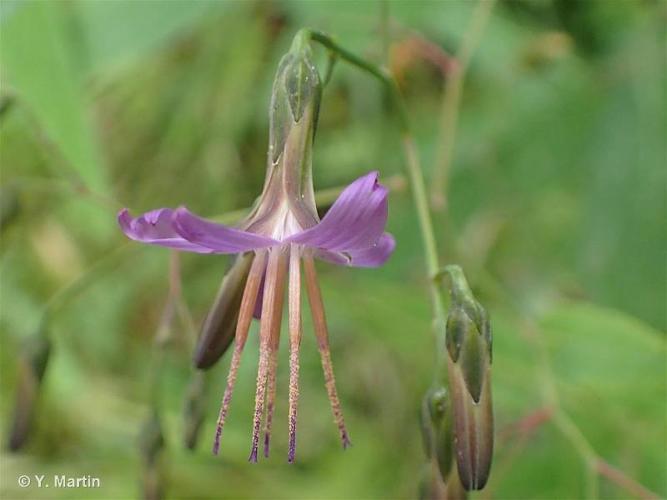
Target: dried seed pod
[
  {"x": 219, "y": 327},
  {"x": 468, "y": 341},
  {"x": 32, "y": 365}
]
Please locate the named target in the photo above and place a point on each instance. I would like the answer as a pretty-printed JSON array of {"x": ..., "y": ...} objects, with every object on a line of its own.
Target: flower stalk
[{"x": 470, "y": 415}]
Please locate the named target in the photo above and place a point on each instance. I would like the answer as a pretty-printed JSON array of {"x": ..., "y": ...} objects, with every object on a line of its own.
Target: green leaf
[
  {"x": 610, "y": 373},
  {"x": 123, "y": 31},
  {"x": 41, "y": 68}
]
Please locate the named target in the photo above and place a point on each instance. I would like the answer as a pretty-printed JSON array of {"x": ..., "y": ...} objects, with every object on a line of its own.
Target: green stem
[
  {"x": 414, "y": 171},
  {"x": 380, "y": 73},
  {"x": 164, "y": 331},
  {"x": 452, "y": 100}
]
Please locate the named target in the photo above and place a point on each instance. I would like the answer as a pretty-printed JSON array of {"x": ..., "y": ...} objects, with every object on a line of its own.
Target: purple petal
[
  {"x": 156, "y": 228},
  {"x": 354, "y": 222},
  {"x": 373, "y": 256},
  {"x": 217, "y": 237}
]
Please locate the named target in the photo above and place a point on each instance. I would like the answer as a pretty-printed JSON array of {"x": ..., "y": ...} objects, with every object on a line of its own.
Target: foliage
[{"x": 556, "y": 210}]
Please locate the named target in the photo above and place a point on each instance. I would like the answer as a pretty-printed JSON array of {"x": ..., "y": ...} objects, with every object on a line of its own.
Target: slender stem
[
  {"x": 419, "y": 194},
  {"x": 570, "y": 430},
  {"x": 619, "y": 478},
  {"x": 164, "y": 331},
  {"x": 452, "y": 100},
  {"x": 382, "y": 74},
  {"x": 415, "y": 174}
]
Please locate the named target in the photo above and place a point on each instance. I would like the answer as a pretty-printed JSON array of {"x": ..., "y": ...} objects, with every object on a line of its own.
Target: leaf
[
  {"x": 42, "y": 70},
  {"x": 609, "y": 369},
  {"x": 123, "y": 31}
]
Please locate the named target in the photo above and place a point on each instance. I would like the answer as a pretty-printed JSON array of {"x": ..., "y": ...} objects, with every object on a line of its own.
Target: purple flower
[
  {"x": 280, "y": 235},
  {"x": 283, "y": 231}
]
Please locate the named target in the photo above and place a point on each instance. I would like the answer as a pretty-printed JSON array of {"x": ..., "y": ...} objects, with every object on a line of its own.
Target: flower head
[{"x": 282, "y": 232}]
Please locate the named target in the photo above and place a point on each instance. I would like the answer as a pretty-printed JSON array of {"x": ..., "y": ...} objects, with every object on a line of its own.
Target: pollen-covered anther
[
  {"x": 245, "y": 318},
  {"x": 294, "y": 306},
  {"x": 322, "y": 334},
  {"x": 269, "y": 332}
]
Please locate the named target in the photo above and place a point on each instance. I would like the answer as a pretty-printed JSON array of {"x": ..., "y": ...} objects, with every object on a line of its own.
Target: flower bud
[
  {"x": 437, "y": 428},
  {"x": 219, "y": 327},
  {"x": 468, "y": 340},
  {"x": 31, "y": 368},
  {"x": 296, "y": 90},
  {"x": 295, "y": 104},
  {"x": 194, "y": 410}
]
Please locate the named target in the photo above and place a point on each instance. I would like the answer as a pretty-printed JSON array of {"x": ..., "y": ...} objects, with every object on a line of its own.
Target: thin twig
[
  {"x": 619, "y": 478},
  {"x": 417, "y": 184},
  {"x": 452, "y": 100}
]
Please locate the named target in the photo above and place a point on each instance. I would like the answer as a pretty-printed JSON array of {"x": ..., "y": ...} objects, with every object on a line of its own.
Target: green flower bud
[
  {"x": 194, "y": 410},
  {"x": 468, "y": 340},
  {"x": 219, "y": 327},
  {"x": 437, "y": 428},
  {"x": 296, "y": 89},
  {"x": 32, "y": 365},
  {"x": 295, "y": 104}
]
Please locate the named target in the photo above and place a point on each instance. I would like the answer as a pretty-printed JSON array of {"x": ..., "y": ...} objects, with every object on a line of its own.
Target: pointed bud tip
[{"x": 473, "y": 430}]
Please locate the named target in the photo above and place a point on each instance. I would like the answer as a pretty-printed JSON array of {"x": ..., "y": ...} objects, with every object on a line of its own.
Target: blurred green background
[{"x": 556, "y": 210}]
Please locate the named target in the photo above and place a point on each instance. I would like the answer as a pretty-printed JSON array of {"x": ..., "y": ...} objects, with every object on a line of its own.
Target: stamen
[
  {"x": 322, "y": 334},
  {"x": 270, "y": 394},
  {"x": 272, "y": 307},
  {"x": 241, "y": 335},
  {"x": 294, "y": 304},
  {"x": 274, "y": 345}
]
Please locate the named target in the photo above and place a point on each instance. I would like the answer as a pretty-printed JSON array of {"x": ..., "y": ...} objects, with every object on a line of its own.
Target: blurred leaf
[
  {"x": 122, "y": 31},
  {"x": 42, "y": 70},
  {"x": 610, "y": 369}
]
